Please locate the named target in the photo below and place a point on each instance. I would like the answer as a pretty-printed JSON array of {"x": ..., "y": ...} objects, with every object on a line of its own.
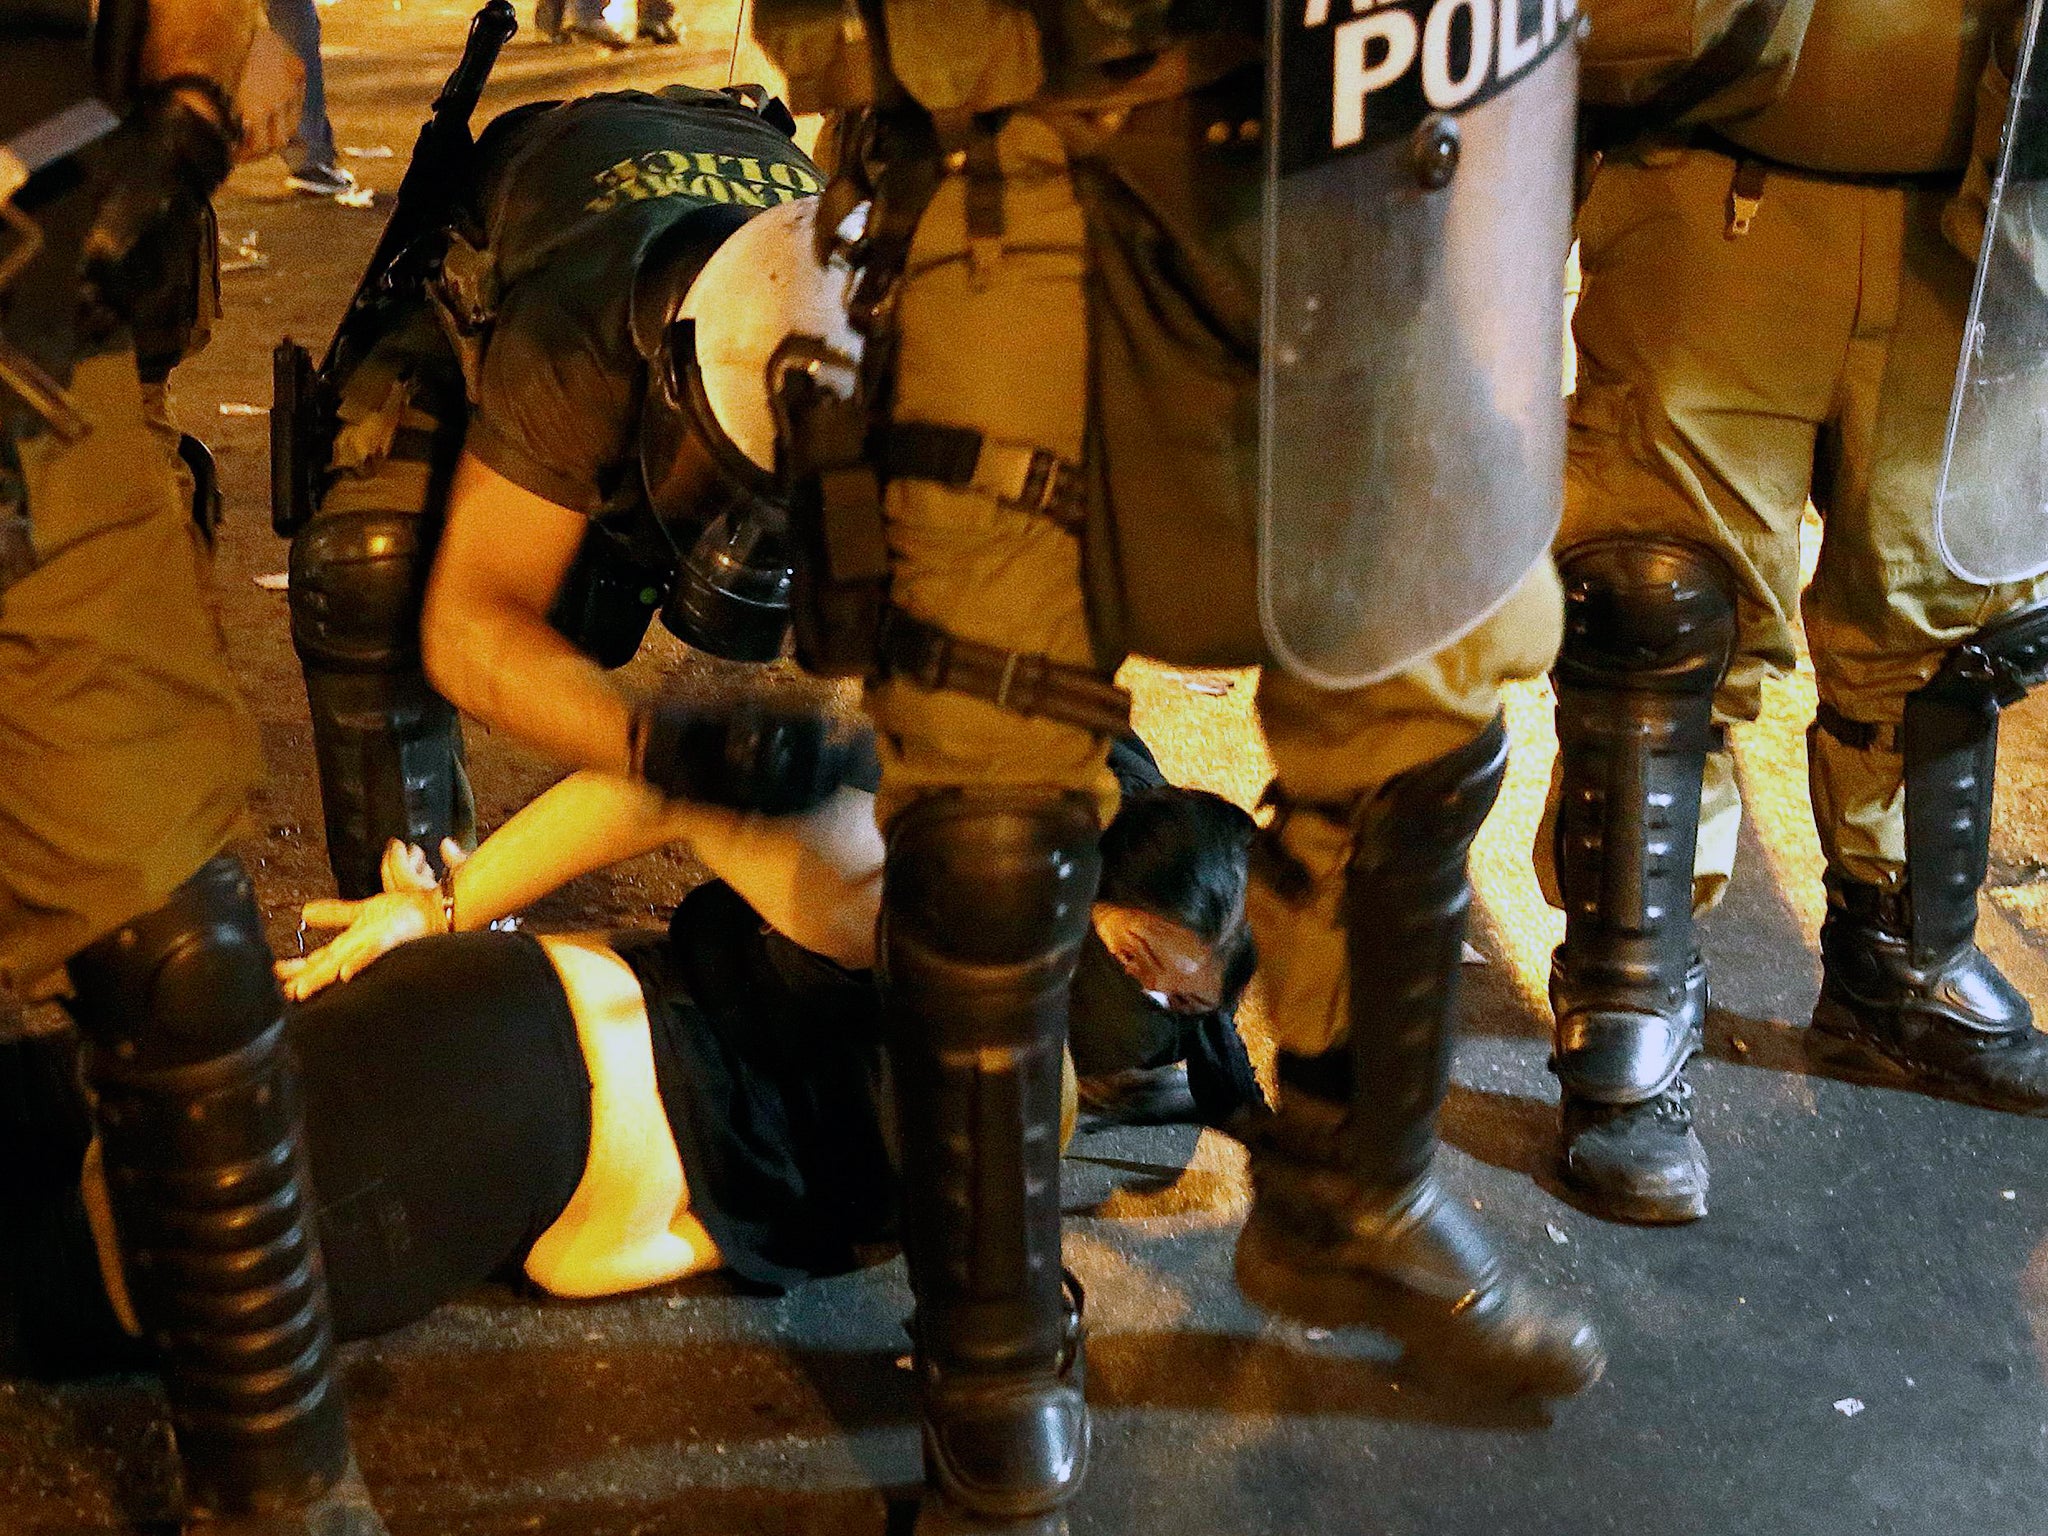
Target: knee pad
[
  {"x": 358, "y": 580},
  {"x": 991, "y": 879},
  {"x": 1645, "y": 614},
  {"x": 199, "y": 1119},
  {"x": 985, "y": 902},
  {"x": 185, "y": 984},
  {"x": 389, "y": 747},
  {"x": 1428, "y": 816}
]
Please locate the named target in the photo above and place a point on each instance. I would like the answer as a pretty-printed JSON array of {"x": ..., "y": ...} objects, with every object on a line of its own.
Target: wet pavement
[{"x": 1855, "y": 1340}]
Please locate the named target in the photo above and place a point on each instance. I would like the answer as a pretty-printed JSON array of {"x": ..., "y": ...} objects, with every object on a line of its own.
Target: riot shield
[
  {"x": 1991, "y": 501},
  {"x": 1417, "y": 216}
]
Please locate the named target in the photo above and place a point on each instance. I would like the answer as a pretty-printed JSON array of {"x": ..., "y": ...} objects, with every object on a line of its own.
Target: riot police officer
[
  {"x": 1046, "y": 460},
  {"x": 527, "y": 452},
  {"x": 1777, "y": 268},
  {"x": 126, "y": 756}
]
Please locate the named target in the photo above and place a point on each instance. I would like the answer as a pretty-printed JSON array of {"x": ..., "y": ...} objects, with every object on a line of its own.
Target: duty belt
[{"x": 1018, "y": 681}]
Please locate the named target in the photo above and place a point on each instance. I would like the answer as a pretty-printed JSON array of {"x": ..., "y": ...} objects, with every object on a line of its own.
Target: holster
[
  {"x": 840, "y": 593},
  {"x": 302, "y": 426}
]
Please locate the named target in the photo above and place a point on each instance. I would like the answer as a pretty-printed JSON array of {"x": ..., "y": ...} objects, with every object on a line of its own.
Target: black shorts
[{"x": 447, "y": 1117}]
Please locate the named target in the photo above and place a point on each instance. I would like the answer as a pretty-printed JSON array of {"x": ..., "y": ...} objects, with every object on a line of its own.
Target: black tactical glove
[
  {"x": 175, "y": 148},
  {"x": 746, "y": 755}
]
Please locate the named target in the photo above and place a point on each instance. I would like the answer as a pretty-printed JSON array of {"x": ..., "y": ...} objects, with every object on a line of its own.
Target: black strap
[
  {"x": 1019, "y": 475},
  {"x": 1731, "y": 56},
  {"x": 1856, "y": 735},
  {"x": 1018, "y": 681}
]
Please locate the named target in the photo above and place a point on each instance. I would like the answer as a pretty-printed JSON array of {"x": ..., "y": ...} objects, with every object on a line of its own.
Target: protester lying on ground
[{"x": 606, "y": 1112}]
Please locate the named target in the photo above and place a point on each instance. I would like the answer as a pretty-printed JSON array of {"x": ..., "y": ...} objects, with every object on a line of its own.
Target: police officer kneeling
[{"x": 551, "y": 422}]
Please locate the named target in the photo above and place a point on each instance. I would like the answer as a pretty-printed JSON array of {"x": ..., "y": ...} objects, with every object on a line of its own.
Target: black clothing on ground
[
  {"x": 770, "y": 1066},
  {"x": 447, "y": 1120}
]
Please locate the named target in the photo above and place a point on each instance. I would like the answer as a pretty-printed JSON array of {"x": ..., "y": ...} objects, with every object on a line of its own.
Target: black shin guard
[
  {"x": 1905, "y": 991},
  {"x": 200, "y": 1132},
  {"x": 1349, "y": 1225},
  {"x": 1407, "y": 900},
  {"x": 986, "y": 903},
  {"x": 1649, "y": 630},
  {"x": 389, "y": 748},
  {"x": 1949, "y": 739}
]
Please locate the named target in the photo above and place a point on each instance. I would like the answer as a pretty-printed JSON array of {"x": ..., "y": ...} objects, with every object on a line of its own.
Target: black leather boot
[
  {"x": 1906, "y": 995},
  {"x": 1944, "y": 1020},
  {"x": 1649, "y": 628},
  {"x": 200, "y": 1133},
  {"x": 1349, "y": 1225},
  {"x": 985, "y": 904}
]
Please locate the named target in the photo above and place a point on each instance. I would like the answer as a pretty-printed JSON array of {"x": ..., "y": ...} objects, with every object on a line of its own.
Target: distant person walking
[
  {"x": 596, "y": 21},
  {"x": 310, "y": 154}
]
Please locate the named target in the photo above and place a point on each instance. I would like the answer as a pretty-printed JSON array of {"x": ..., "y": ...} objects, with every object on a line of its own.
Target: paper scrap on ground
[
  {"x": 1848, "y": 1407},
  {"x": 274, "y": 581}
]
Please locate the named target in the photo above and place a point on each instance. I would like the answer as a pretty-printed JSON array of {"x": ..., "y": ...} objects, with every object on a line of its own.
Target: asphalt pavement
[{"x": 1855, "y": 1340}]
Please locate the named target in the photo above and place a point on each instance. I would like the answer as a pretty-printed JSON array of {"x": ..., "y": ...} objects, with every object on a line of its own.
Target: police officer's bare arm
[{"x": 484, "y": 634}]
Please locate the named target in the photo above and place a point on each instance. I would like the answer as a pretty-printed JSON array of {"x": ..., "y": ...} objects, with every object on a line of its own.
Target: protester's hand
[
  {"x": 272, "y": 92},
  {"x": 409, "y": 907}
]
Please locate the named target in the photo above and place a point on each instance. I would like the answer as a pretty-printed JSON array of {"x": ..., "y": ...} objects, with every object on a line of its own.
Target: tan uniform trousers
[
  {"x": 1724, "y": 381},
  {"x": 126, "y": 752},
  {"x": 996, "y": 340}
]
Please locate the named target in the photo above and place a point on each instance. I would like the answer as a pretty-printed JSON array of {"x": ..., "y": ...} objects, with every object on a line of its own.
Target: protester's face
[{"x": 1173, "y": 964}]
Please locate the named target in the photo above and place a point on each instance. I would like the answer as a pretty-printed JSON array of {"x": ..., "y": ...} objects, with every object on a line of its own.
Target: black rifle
[{"x": 302, "y": 404}]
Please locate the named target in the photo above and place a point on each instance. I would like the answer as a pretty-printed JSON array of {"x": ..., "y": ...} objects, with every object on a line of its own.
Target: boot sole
[
  {"x": 1638, "y": 1210},
  {"x": 1837, "y": 1041},
  {"x": 938, "y": 1517},
  {"x": 1431, "y": 1339}
]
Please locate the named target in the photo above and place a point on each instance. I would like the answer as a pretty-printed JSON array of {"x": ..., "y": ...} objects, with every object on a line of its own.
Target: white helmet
[
  {"x": 712, "y": 306},
  {"x": 762, "y": 286}
]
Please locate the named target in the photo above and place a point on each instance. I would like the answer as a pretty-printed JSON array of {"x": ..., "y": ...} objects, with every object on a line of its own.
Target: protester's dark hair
[{"x": 1184, "y": 855}]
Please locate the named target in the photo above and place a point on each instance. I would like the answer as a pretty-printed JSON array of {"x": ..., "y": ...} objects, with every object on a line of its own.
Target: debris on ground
[
  {"x": 242, "y": 255},
  {"x": 1848, "y": 1407}
]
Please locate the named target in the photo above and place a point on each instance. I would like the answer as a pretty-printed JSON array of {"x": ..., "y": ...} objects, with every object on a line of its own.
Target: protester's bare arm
[
  {"x": 484, "y": 634},
  {"x": 816, "y": 877}
]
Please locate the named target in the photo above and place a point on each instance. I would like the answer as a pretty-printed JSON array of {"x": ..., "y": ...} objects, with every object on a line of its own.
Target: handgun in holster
[{"x": 840, "y": 591}]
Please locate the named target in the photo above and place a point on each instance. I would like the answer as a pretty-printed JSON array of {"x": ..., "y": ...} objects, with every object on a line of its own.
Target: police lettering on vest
[{"x": 1387, "y": 66}]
